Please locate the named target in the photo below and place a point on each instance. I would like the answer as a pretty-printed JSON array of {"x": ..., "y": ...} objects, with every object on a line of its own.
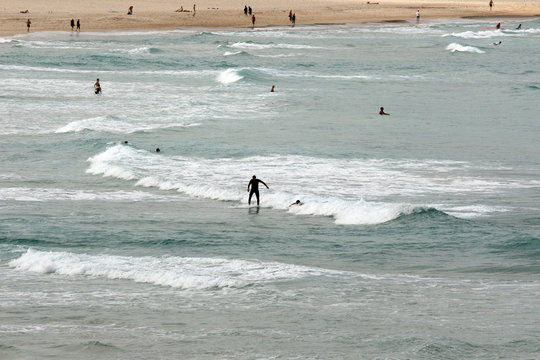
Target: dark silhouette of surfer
[{"x": 254, "y": 184}]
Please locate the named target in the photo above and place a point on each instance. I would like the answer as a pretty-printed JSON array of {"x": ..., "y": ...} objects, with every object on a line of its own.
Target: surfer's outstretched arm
[{"x": 264, "y": 184}]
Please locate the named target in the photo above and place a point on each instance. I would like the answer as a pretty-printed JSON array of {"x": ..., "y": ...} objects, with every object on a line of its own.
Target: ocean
[{"x": 419, "y": 233}]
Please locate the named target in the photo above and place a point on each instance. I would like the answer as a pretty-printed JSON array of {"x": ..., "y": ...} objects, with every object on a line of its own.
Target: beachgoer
[
  {"x": 490, "y": 4},
  {"x": 417, "y": 14},
  {"x": 254, "y": 184},
  {"x": 272, "y": 89},
  {"x": 130, "y": 10},
  {"x": 381, "y": 111},
  {"x": 125, "y": 142},
  {"x": 290, "y": 15},
  {"x": 297, "y": 203},
  {"x": 97, "y": 87},
  {"x": 194, "y": 10},
  {"x": 158, "y": 150},
  {"x": 293, "y": 19},
  {"x": 24, "y": 11},
  {"x": 72, "y": 24},
  {"x": 519, "y": 27},
  {"x": 78, "y": 24},
  {"x": 497, "y": 43},
  {"x": 28, "y": 22},
  {"x": 498, "y": 27},
  {"x": 249, "y": 10},
  {"x": 252, "y": 21},
  {"x": 245, "y": 10}
]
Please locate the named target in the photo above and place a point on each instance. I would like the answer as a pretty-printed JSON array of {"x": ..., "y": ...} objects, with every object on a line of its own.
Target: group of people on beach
[
  {"x": 72, "y": 23},
  {"x": 292, "y": 17}
]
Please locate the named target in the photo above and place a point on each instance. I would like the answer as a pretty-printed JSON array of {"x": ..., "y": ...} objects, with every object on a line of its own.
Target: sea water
[{"x": 419, "y": 233}]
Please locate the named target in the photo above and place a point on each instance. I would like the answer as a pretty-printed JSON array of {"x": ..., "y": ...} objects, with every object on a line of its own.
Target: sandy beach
[{"x": 104, "y": 15}]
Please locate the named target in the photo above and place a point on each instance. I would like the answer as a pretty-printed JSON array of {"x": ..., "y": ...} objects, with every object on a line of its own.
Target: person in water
[
  {"x": 272, "y": 89},
  {"x": 497, "y": 43},
  {"x": 28, "y": 23},
  {"x": 519, "y": 27},
  {"x": 97, "y": 87},
  {"x": 254, "y": 184},
  {"x": 381, "y": 111},
  {"x": 297, "y": 203}
]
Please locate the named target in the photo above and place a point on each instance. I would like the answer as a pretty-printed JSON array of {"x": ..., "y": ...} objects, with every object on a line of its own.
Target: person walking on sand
[
  {"x": 28, "y": 23},
  {"x": 194, "y": 10},
  {"x": 254, "y": 184},
  {"x": 490, "y": 4},
  {"x": 130, "y": 10},
  {"x": 417, "y": 15},
  {"x": 97, "y": 87},
  {"x": 78, "y": 24},
  {"x": 253, "y": 21},
  {"x": 72, "y": 24},
  {"x": 293, "y": 19},
  {"x": 381, "y": 111},
  {"x": 290, "y": 15},
  {"x": 249, "y": 10},
  {"x": 245, "y": 10}
]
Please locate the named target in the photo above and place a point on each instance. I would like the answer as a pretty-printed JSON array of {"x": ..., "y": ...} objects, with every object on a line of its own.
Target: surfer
[
  {"x": 254, "y": 184},
  {"x": 97, "y": 87},
  {"x": 498, "y": 27},
  {"x": 272, "y": 89},
  {"x": 497, "y": 43},
  {"x": 519, "y": 27},
  {"x": 381, "y": 111},
  {"x": 297, "y": 203}
]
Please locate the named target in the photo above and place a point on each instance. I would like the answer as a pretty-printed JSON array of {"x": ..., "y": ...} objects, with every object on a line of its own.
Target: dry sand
[{"x": 103, "y": 15}]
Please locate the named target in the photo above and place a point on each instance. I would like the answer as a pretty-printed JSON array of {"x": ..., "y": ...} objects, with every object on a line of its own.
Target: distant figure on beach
[
  {"x": 498, "y": 27},
  {"x": 497, "y": 43},
  {"x": 252, "y": 21},
  {"x": 518, "y": 27},
  {"x": 78, "y": 24},
  {"x": 245, "y": 10},
  {"x": 381, "y": 111},
  {"x": 293, "y": 19},
  {"x": 72, "y": 24},
  {"x": 97, "y": 87},
  {"x": 28, "y": 23},
  {"x": 272, "y": 89},
  {"x": 130, "y": 10},
  {"x": 290, "y": 15},
  {"x": 417, "y": 15},
  {"x": 254, "y": 184},
  {"x": 297, "y": 203},
  {"x": 194, "y": 9},
  {"x": 490, "y": 4},
  {"x": 249, "y": 10},
  {"x": 24, "y": 11}
]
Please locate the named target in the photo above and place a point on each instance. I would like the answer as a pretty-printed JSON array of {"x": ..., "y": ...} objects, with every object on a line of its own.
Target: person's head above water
[
  {"x": 254, "y": 177},
  {"x": 298, "y": 201}
]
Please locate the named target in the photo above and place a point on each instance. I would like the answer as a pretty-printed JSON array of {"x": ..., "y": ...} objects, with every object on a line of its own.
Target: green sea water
[{"x": 419, "y": 233}]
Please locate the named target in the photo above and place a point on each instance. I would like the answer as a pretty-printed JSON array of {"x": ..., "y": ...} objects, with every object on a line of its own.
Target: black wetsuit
[{"x": 254, "y": 183}]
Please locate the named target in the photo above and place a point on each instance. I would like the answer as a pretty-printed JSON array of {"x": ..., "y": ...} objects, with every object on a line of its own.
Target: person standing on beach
[
  {"x": 290, "y": 15},
  {"x": 193, "y": 9},
  {"x": 245, "y": 10},
  {"x": 72, "y": 24},
  {"x": 253, "y": 21},
  {"x": 293, "y": 19},
  {"x": 490, "y": 4},
  {"x": 254, "y": 184},
  {"x": 249, "y": 10},
  {"x": 97, "y": 87},
  {"x": 28, "y": 22},
  {"x": 417, "y": 15}
]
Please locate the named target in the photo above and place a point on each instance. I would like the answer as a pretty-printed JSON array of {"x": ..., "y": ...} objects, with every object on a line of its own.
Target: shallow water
[{"x": 419, "y": 236}]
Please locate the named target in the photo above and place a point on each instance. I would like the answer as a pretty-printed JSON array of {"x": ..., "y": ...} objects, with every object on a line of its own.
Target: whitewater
[{"x": 418, "y": 233}]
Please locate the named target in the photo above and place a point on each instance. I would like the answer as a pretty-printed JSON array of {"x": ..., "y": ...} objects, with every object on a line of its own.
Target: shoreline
[{"x": 55, "y": 15}]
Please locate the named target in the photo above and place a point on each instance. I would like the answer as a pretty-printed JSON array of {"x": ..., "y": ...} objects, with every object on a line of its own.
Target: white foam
[
  {"x": 453, "y": 47},
  {"x": 255, "y": 46},
  {"x": 230, "y": 53},
  {"x": 486, "y": 34},
  {"x": 329, "y": 187},
  {"x": 229, "y": 76},
  {"x": 178, "y": 272},
  {"x": 111, "y": 125}
]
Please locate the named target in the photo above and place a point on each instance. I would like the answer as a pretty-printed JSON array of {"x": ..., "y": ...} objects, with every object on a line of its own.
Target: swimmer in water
[
  {"x": 297, "y": 203},
  {"x": 497, "y": 43},
  {"x": 254, "y": 184},
  {"x": 97, "y": 87},
  {"x": 381, "y": 111}
]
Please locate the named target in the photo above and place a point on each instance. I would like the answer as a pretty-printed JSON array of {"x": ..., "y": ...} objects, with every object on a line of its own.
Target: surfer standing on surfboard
[{"x": 254, "y": 184}]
